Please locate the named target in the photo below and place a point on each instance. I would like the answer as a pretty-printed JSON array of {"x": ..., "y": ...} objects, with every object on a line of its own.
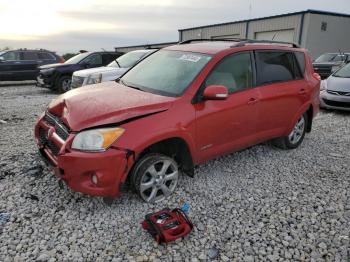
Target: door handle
[
  {"x": 252, "y": 100},
  {"x": 302, "y": 91}
]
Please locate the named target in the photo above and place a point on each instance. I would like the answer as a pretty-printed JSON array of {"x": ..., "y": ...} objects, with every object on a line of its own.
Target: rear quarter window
[
  {"x": 276, "y": 66},
  {"x": 45, "y": 56},
  {"x": 300, "y": 56}
]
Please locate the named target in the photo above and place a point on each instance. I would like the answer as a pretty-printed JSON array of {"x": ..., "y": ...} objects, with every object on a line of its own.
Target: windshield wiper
[
  {"x": 117, "y": 63},
  {"x": 128, "y": 85}
]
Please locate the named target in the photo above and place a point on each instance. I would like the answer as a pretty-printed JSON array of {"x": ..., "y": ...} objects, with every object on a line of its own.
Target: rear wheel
[
  {"x": 296, "y": 136},
  {"x": 155, "y": 177},
  {"x": 63, "y": 84}
]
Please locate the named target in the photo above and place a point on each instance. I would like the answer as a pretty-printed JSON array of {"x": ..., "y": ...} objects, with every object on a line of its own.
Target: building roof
[{"x": 310, "y": 11}]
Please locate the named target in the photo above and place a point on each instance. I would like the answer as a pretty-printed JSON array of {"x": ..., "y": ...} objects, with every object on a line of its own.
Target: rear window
[
  {"x": 276, "y": 66},
  {"x": 30, "y": 56}
]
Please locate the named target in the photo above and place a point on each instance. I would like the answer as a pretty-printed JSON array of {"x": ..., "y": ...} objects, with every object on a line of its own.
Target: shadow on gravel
[
  {"x": 338, "y": 112},
  {"x": 16, "y": 83}
]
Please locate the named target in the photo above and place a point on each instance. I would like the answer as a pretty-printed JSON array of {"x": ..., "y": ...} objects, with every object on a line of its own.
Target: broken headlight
[
  {"x": 96, "y": 139},
  {"x": 94, "y": 79}
]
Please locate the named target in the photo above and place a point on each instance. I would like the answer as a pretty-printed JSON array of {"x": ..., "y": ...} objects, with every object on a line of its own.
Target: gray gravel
[{"x": 258, "y": 204}]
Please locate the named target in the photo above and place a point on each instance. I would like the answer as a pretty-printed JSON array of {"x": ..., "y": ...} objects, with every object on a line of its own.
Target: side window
[
  {"x": 301, "y": 61},
  {"x": 233, "y": 72},
  {"x": 94, "y": 59},
  {"x": 273, "y": 67},
  {"x": 11, "y": 56},
  {"x": 45, "y": 56},
  {"x": 107, "y": 58},
  {"x": 30, "y": 56}
]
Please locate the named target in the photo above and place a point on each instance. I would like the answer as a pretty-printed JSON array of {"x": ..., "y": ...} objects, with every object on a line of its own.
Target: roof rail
[{"x": 255, "y": 41}]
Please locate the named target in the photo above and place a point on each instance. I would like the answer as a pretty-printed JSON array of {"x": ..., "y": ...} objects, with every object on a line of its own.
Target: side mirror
[
  {"x": 2, "y": 59},
  {"x": 215, "y": 92}
]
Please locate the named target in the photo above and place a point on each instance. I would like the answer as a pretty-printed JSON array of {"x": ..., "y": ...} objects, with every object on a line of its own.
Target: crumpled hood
[
  {"x": 340, "y": 84},
  {"x": 53, "y": 66},
  {"x": 106, "y": 103},
  {"x": 100, "y": 70}
]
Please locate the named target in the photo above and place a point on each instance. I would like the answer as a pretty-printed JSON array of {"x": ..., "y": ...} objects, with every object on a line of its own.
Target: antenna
[
  {"x": 273, "y": 38},
  {"x": 250, "y": 9}
]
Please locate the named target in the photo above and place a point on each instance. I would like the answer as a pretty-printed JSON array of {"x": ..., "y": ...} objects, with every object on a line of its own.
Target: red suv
[{"x": 180, "y": 107}]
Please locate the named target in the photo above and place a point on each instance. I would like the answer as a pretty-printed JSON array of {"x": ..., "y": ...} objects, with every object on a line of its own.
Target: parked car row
[
  {"x": 328, "y": 63},
  {"x": 58, "y": 76},
  {"x": 177, "y": 108},
  {"x": 110, "y": 72},
  {"x": 23, "y": 64}
]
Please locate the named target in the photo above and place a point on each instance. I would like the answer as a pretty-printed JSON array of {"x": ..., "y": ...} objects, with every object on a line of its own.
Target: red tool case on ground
[{"x": 167, "y": 225}]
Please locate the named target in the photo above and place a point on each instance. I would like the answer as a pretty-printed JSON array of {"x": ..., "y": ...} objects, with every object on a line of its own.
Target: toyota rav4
[{"x": 179, "y": 107}]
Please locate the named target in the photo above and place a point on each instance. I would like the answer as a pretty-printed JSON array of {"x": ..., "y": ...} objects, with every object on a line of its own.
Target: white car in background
[{"x": 110, "y": 72}]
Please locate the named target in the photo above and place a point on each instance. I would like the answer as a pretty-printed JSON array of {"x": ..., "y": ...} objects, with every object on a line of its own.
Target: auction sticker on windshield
[{"x": 191, "y": 58}]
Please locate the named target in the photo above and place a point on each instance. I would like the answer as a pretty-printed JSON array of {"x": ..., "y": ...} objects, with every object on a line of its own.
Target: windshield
[
  {"x": 343, "y": 72},
  {"x": 165, "y": 72},
  {"x": 128, "y": 60},
  {"x": 331, "y": 58},
  {"x": 2, "y": 52},
  {"x": 76, "y": 59}
]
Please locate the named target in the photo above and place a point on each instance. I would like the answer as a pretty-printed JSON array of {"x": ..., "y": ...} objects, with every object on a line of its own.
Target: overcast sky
[{"x": 71, "y": 25}]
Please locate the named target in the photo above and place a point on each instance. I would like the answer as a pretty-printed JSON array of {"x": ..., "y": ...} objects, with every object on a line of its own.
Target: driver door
[{"x": 223, "y": 126}]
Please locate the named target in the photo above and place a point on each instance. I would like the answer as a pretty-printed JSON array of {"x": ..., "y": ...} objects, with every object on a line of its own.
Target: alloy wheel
[
  {"x": 66, "y": 85},
  {"x": 159, "y": 180},
  {"x": 297, "y": 132}
]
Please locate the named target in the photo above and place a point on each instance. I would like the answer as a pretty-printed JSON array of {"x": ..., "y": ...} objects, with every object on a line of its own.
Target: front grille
[
  {"x": 338, "y": 93},
  {"x": 42, "y": 136},
  {"x": 61, "y": 130},
  {"x": 53, "y": 148},
  {"x": 336, "y": 103},
  {"x": 77, "y": 81},
  {"x": 45, "y": 142}
]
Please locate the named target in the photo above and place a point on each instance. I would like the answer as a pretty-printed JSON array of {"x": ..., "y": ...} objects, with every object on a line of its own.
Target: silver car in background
[
  {"x": 335, "y": 90},
  {"x": 110, "y": 72}
]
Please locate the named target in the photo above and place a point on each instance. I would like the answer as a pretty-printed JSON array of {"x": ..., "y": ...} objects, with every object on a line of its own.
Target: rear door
[
  {"x": 10, "y": 67},
  {"x": 223, "y": 126},
  {"x": 29, "y": 62},
  {"x": 282, "y": 89}
]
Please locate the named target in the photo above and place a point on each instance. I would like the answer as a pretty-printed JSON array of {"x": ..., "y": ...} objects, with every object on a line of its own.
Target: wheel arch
[{"x": 176, "y": 147}]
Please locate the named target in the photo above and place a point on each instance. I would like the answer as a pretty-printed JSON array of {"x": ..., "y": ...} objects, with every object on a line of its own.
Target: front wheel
[
  {"x": 155, "y": 177},
  {"x": 295, "y": 137},
  {"x": 64, "y": 84}
]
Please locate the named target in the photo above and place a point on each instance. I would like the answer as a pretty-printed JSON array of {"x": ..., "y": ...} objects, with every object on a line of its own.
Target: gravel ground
[{"x": 255, "y": 205}]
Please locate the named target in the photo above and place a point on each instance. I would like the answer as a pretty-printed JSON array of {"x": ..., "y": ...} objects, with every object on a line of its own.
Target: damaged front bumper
[{"x": 96, "y": 174}]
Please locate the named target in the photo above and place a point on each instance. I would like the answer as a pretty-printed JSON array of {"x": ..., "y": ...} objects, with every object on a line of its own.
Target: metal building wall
[
  {"x": 335, "y": 38},
  {"x": 275, "y": 24},
  {"x": 226, "y": 30},
  {"x": 246, "y": 28}
]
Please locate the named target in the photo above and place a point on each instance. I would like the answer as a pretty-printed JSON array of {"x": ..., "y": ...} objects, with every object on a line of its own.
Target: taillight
[
  {"x": 316, "y": 76},
  {"x": 62, "y": 60}
]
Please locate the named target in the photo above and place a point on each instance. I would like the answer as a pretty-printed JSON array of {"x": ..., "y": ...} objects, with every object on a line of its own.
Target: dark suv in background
[
  {"x": 59, "y": 76},
  {"x": 22, "y": 64},
  {"x": 328, "y": 63}
]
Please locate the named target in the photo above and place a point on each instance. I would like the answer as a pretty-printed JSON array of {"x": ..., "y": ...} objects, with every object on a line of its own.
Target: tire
[
  {"x": 155, "y": 177},
  {"x": 63, "y": 84},
  {"x": 296, "y": 137}
]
